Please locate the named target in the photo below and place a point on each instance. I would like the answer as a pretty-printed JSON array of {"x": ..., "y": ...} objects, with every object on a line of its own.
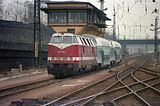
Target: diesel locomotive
[{"x": 70, "y": 54}]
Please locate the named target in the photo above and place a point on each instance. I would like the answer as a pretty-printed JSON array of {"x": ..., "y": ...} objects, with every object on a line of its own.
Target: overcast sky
[{"x": 133, "y": 15}]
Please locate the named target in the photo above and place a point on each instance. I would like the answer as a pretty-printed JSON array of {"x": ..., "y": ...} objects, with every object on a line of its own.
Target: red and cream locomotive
[{"x": 70, "y": 54}]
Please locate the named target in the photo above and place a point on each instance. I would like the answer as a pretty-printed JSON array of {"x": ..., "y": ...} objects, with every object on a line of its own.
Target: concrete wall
[
  {"x": 17, "y": 32},
  {"x": 16, "y": 45}
]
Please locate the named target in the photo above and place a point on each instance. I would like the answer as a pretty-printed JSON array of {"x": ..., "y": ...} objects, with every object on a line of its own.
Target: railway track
[
  {"x": 14, "y": 89},
  {"x": 22, "y": 87},
  {"x": 90, "y": 93},
  {"x": 132, "y": 97}
]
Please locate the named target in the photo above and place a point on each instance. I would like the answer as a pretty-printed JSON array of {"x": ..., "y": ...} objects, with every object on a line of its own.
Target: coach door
[{"x": 102, "y": 57}]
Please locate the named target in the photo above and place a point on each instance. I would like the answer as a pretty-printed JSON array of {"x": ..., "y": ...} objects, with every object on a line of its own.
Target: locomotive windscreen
[
  {"x": 56, "y": 39},
  {"x": 67, "y": 39},
  {"x": 63, "y": 39}
]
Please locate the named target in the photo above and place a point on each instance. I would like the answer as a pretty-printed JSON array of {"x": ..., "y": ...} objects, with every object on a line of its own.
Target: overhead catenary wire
[{"x": 125, "y": 9}]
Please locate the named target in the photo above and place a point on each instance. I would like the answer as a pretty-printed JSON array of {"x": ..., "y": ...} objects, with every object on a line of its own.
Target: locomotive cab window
[
  {"x": 69, "y": 39},
  {"x": 56, "y": 39}
]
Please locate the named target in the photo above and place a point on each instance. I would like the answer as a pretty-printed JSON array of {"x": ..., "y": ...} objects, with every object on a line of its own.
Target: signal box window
[
  {"x": 59, "y": 17},
  {"x": 71, "y": 31}
]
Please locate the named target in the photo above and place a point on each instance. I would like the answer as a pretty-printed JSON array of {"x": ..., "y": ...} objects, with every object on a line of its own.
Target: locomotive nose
[{"x": 50, "y": 68}]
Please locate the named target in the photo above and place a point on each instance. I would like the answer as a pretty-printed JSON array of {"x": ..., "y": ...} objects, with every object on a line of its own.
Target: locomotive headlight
[
  {"x": 64, "y": 58},
  {"x": 49, "y": 58},
  {"x": 71, "y": 58},
  {"x": 52, "y": 58}
]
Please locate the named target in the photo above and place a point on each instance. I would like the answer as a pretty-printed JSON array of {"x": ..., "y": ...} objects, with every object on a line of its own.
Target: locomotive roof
[
  {"x": 116, "y": 44},
  {"x": 63, "y": 34},
  {"x": 102, "y": 41}
]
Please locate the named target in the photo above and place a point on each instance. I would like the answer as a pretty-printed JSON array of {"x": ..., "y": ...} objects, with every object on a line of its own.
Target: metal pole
[
  {"x": 37, "y": 37},
  {"x": 102, "y": 5},
  {"x": 39, "y": 34},
  {"x": 114, "y": 24},
  {"x": 35, "y": 21},
  {"x": 155, "y": 39}
]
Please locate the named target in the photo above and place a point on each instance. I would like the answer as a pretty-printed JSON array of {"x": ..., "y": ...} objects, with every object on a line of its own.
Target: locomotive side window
[
  {"x": 90, "y": 41},
  {"x": 81, "y": 40},
  {"x": 69, "y": 39},
  {"x": 75, "y": 39},
  {"x": 84, "y": 41},
  {"x": 56, "y": 39}
]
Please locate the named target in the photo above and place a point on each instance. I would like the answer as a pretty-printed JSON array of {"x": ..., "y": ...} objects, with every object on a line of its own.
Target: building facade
[{"x": 75, "y": 17}]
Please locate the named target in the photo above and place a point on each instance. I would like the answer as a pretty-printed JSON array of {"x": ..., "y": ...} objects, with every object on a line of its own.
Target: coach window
[{"x": 56, "y": 39}]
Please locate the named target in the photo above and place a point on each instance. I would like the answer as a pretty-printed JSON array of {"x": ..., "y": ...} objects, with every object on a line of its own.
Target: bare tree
[
  {"x": 1, "y": 9},
  {"x": 16, "y": 10},
  {"x": 22, "y": 11}
]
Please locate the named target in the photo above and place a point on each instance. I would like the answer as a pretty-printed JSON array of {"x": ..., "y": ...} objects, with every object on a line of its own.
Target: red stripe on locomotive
[{"x": 77, "y": 52}]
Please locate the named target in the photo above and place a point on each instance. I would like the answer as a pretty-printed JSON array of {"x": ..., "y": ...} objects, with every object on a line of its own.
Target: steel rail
[
  {"x": 149, "y": 86},
  {"x": 63, "y": 97},
  {"x": 10, "y": 90},
  {"x": 108, "y": 91},
  {"x": 126, "y": 74},
  {"x": 117, "y": 82},
  {"x": 83, "y": 88},
  {"x": 146, "y": 84},
  {"x": 56, "y": 100},
  {"x": 94, "y": 96},
  {"x": 134, "y": 91},
  {"x": 149, "y": 72}
]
